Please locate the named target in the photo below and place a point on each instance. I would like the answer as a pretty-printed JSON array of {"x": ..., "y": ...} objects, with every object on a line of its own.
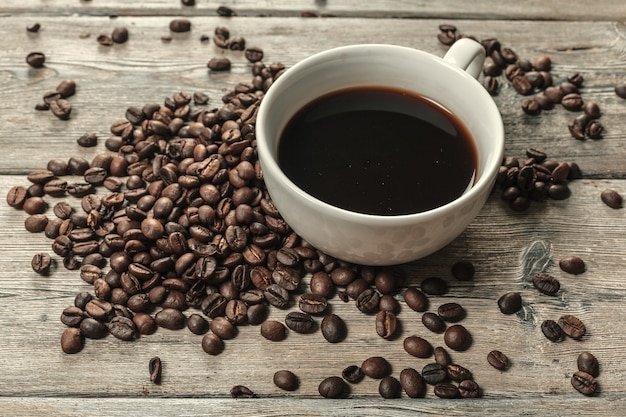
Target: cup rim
[{"x": 269, "y": 162}]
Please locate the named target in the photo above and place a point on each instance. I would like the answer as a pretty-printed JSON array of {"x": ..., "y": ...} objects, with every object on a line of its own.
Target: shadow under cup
[{"x": 375, "y": 239}]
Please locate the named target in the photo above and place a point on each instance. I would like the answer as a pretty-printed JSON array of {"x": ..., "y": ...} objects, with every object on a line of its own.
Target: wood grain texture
[{"x": 110, "y": 377}]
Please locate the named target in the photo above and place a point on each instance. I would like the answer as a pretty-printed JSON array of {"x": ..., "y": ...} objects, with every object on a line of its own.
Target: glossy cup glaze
[{"x": 375, "y": 239}]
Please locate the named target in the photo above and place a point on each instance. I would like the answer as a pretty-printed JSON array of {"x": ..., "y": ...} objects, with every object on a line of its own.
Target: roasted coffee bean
[
  {"x": 447, "y": 390},
  {"x": 433, "y": 322},
  {"x": 300, "y": 322},
  {"x": 458, "y": 373},
  {"x": 257, "y": 314},
  {"x": 88, "y": 140},
  {"x": 219, "y": 64},
  {"x": 510, "y": 303},
  {"x": 180, "y": 25},
  {"x": 155, "y": 367},
  {"x": 389, "y": 387},
  {"x": 288, "y": 278},
  {"x": 212, "y": 344},
  {"x": 418, "y": 347},
  {"x": 389, "y": 303},
  {"x": 367, "y": 301},
  {"x": 34, "y": 28},
  {"x": 386, "y": 324},
  {"x": 415, "y": 299},
  {"x": 312, "y": 303},
  {"x": 253, "y": 54},
  {"x": 36, "y": 59},
  {"x": 119, "y": 34},
  {"x": 434, "y": 286},
  {"x": 352, "y": 374},
  {"x": 333, "y": 387},
  {"x": 122, "y": 328},
  {"x": 197, "y": 324},
  {"x": 451, "y": 312},
  {"x": 93, "y": 329},
  {"x": 236, "y": 311},
  {"x": 376, "y": 367},
  {"x": 531, "y": 107},
  {"x": 16, "y": 196},
  {"x": 469, "y": 389},
  {"x": 498, "y": 360},
  {"x": 36, "y": 223},
  {"x": 433, "y": 373},
  {"x": 611, "y": 198},
  {"x": 546, "y": 283},
  {"x": 34, "y": 205},
  {"x": 342, "y": 276},
  {"x": 572, "y": 102},
  {"x": 144, "y": 323},
  {"x": 277, "y": 296},
  {"x": 457, "y": 337},
  {"x": 241, "y": 391},
  {"x": 412, "y": 383},
  {"x": 522, "y": 85},
  {"x": 572, "y": 265},
  {"x": 463, "y": 271},
  {"x": 61, "y": 108},
  {"x": 72, "y": 316},
  {"x": 588, "y": 363},
  {"x": 71, "y": 340},
  {"x": 572, "y": 326},
  {"x": 286, "y": 380},
  {"x": 441, "y": 356},
  {"x": 223, "y": 328},
  {"x": 99, "y": 309},
  {"x": 104, "y": 39},
  {"x": 551, "y": 330},
  {"x": 170, "y": 318},
  {"x": 584, "y": 383},
  {"x": 273, "y": 330}
]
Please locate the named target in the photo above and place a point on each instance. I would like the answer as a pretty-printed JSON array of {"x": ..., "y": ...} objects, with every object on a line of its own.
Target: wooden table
[{"x": 110, "y": 377}]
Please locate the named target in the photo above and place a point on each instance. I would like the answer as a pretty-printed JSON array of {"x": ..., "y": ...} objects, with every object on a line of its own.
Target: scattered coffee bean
[
  {"x": 212, "y": 344},
  {"x": 333, "y": 387},
  {"x": 418, "y": 346},
  {"x": 241, "y": 391},
  {"x": 451, "y": 312},
  {"x": 611, "y": 198},
  {"x": 447, "y": 390},
  {"x": 415, "y": 299},
  {"x": 36, "y": 59},
  {"x": 34, "y": 28},
  {"x": 286, "y": 380},
  {"x": 376, "y": 367},
  {"x": 352, "y": 374},
  {"x": 620, "y": 89},
  {"x": 551, "y": 330},
  {"x": 300, "y": 322},
  {"x": 510, "y": 303},
  {"x": 71, "y": 340},
  {"x": 412, "y": 383},
  {"x": 88, "y": 140},
  {"x": 572, "y": 265},
  {"x": 104, "y": 39},
  {"x": 458, "y": 373},
  {"x": 389, "y": 387},
  {"x": 546, "y": 283},
  {"x": 155, "y": 367},
  {"x": 433, "y": 322},
  {"x": 433, "y": 373},
  {"x": 180, "y": 25},
  {"x": 498, "y": 360},
  {"x": 434, "y": 286},
  {"x": 386, "y": 324},
  {"x": 333, "y": 328},
  {"x": 584, "y": 383},
  {"x": 119, "y": 34},
  {"x": 588, "y": 363},
  {"x": 463, "y": 271},
  {"x": 274, "y": 330},
  {"x": 457, "y": 337},
  {"x": 61, "y": 108},
  {"x": 572, "y": 326},
  {"x": 225, "y": 11},
  {"x": 219, "y": 64}
]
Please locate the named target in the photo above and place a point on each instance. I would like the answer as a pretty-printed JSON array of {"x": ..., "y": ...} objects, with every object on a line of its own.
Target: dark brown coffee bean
[
  {"x": 93, "y": 329},
  {"x": 342, "y": 276},
  {"x": 457, "y": 337},
  {"x": 531, "y": 107},
  {"x": 352, "y": 374},
  {"x": 34, "y": 28},
  {"x": 611, "y": 198},
  {"x": 277, "y": 295},
  {"x": 61, "y": 108},
  {"x": 72, "y": 316},
  {"x": 584, "y": 383},
  {"x": 36, "y": 59},
  {"x": 510, "y": 303},
  {"x": 446, "y": 390},
  {"x": 463, "y": 271},
  {"x": 223, "y": 328},
  {"x": 253, "y": 54},
  {"x": 451, "y": 312},
  {"x": 433, "y": 373},
  {"x": 219, "y": 64},
  {"x": 300, "y": 322},
  {"x": 333, "y": 387},
  {"x": 386, "y": 324},
  {"x": 572, "y": 102},
  {"x": 418, "y": 347},
  {"x": 16, "y": 196},
  {"x": 155, "y": 367},
  {"x": 122, "y": 328},
  {"x": 572, "y": 326},
  {"x": 441, "y": 356},
  {"x": 376, "y": 367},
  {"x": 144, "y": 323},
  {"x": 88, "y": 140},
  {"x": 286, "y": 380},
  {"x": 588, "y": 363},
  {"x": 119, "y": 34},
  {"x": 498, "y": 360},
  {"x": 389, "y": 387},
  {"x": 572, "y": 265},
  {"x": 415, "y": 299},
  {"x": 367, "y": 301},
  {"x": 197, "y": 324},
  {"x": 180, "y": 25},
  {"x": 170, "y": 318},
  {"x": 212, "y": 344},
  {"x": 551, "y": 330},
  {"x": 71, "y": 340},
  {"x": 433, "y": 322},
  {"x": 620, "y": 90},
  {"x": 36, "y": 223},
  {"x": 469, "y": 389},
  {"x": 241, "y": 391},
  {"x": 458, "y": 373},
  {"x": 546, "y": 283},
  {"x": 273, "y": 330},
  {"x": 312, "y": 303},
  {"x": 412, "y": 383},
  {"x": 434, "y": 286}
]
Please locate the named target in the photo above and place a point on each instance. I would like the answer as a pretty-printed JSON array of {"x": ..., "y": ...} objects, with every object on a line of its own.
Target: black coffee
[{"x": 378, "y": 150}]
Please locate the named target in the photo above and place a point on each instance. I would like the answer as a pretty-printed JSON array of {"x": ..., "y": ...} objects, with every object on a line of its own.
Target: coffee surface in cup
[{"x": 378, "y": 150}]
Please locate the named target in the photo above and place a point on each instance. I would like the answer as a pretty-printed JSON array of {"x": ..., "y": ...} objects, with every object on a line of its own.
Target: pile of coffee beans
[
  {"x": 534, "y": 77},
  {"x": 535, "y": 178}
]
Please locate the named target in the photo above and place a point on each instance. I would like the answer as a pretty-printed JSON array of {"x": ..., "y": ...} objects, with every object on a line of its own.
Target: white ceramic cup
[{"x": 377, "y": 239}]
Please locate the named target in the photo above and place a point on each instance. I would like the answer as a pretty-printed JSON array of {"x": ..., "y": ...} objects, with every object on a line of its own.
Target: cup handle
[{"x": 468, "y": 55}]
